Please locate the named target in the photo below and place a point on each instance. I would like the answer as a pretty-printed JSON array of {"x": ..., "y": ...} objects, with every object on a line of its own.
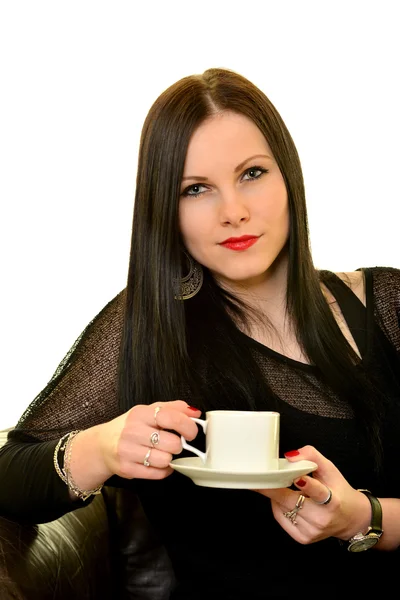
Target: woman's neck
[{"x": 265, "y": 293}]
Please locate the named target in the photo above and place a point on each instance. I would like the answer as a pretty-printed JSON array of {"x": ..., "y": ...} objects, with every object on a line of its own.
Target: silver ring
[
  {"x": 156, "y": 411},
  {"x": 155, "y": 438},
  {"x": 146, "y": 458},
  {"x": 328, "y": 499},
  {"x": 291, "y": 514}
]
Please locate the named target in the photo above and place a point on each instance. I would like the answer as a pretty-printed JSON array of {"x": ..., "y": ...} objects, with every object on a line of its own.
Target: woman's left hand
[{"x": 345, "y": 514}]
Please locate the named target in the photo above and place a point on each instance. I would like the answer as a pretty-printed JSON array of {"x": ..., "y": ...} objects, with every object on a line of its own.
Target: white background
[{"x": 77, "y": 79}]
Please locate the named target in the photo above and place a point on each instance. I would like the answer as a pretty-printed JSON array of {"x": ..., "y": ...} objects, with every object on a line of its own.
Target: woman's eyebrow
[{"x": 200, "y": 177}]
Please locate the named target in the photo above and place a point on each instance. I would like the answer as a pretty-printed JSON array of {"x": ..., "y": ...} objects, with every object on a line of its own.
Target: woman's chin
[{"x": 238, "y": 278}]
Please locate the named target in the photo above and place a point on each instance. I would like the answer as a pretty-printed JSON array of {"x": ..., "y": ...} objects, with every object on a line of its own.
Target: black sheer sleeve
[
  {"x": 386, "y": 295},
  {"x": 81, "y": 394}
]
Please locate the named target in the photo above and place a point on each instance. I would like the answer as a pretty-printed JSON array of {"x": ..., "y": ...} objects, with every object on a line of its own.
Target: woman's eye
[
  {"x": 250, "y": 171},
  {"x": 190, "y": 188},
  {"x": 254, "y": 170}
]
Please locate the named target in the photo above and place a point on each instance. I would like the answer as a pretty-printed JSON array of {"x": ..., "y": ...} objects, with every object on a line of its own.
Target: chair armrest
[{"x": 66, "y": 558}]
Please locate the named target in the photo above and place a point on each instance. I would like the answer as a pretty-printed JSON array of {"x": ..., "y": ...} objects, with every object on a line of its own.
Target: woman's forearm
[
  {"x": 30, "y": 489},
  {"x": 87, "y": 466},
  {"x": 390, "y": 539}
]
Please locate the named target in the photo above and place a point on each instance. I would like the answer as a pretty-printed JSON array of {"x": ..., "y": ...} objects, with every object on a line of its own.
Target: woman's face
[{"x": 241, "y": 193}]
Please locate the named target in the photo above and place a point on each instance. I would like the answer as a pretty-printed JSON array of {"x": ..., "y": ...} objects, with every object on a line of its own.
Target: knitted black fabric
[{"x": 83, "y": 390}]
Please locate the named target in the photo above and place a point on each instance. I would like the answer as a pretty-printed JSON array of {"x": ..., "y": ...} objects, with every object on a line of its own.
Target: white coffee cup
[{"x": 239, "y": 441}]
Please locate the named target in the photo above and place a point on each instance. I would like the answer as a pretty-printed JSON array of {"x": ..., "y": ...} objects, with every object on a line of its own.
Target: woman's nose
[{"x": 233, "y": 211}]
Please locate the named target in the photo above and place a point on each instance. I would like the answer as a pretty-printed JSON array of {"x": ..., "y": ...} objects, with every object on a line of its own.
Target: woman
[{"x": 255, "y": 327}]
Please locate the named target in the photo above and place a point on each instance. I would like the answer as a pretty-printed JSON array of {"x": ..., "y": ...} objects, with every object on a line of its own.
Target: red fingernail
[
  {"x": 292, "y": 453},
  {"x": 301, "y": 482},
  {"x": 193, "y": 408}
]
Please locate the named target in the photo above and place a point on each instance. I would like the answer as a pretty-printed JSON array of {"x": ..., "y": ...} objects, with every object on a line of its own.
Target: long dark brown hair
[
  {"x": 165, "y": 340},
  {"x": 8, "y": 588}
]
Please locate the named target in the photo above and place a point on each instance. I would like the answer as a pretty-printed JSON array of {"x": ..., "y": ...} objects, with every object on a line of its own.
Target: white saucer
[{"x": 194, "y": 468}]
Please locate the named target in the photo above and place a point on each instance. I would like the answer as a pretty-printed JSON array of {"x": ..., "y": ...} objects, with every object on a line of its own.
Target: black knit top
[{"x": 223, "y": 541}]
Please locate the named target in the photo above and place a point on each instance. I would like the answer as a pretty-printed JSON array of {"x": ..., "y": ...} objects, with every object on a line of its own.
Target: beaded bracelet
[{"x": 65, "y": 473}]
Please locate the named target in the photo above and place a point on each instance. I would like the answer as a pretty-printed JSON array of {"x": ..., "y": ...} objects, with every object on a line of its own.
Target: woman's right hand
[{"x": 125, "y": 441}]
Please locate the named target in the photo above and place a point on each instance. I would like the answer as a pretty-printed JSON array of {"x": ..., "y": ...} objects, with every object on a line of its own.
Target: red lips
[
  {"x": 240, "y": 243},
  {"x": 243, "y": 238}
]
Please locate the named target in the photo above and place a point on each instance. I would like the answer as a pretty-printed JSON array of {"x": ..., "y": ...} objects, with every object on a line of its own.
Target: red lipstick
[{"x": 240, "y": 243}]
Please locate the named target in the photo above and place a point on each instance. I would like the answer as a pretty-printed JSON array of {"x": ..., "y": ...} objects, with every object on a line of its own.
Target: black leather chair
[{"x": 103, "y": 551}]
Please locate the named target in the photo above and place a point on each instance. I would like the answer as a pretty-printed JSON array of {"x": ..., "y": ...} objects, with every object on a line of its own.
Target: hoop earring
[{"x": 191, "y": 284}]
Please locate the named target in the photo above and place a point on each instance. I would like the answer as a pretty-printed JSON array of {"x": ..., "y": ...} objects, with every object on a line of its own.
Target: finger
[
  {"x": 141, "y": 435},
  {"x": 315, "y": 489},
  {"x": 325, "y": 467},
  {"x": 180, "y": 405},
  {"x": 294, "y": 529},
  {"x": 175, "y": 420},
  {"x": 139, "y": 455},
  {"x": 284, "y": 497},
  {"x": 289, "y": 515},
  {"x": 141, "y": 472},
  {"x": 157, "y": 458},
  {"x": 167, "y": 441},
  {"x": 171, "y": 415}
]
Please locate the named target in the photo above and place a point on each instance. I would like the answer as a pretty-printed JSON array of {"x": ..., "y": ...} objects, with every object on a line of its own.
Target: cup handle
[{"x": 186, "y": 446}]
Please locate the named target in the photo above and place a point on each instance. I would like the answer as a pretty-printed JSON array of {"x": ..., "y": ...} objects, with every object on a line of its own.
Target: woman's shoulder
[
  {"x": 355, "y": 280},
  {"x": 385, "y": 280}
]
